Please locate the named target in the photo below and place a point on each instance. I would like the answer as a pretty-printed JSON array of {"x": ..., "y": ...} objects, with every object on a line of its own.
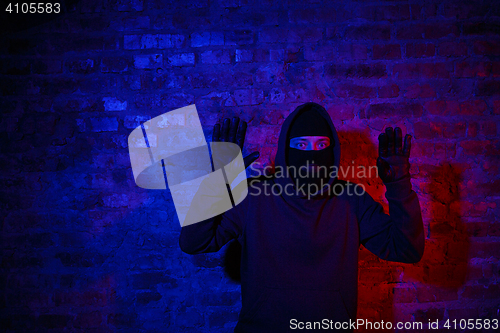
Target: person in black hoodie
[{"x": 299, "y": 258}]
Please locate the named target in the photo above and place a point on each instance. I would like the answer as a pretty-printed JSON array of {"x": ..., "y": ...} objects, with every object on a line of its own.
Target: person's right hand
[
  {"x": 231, "y": 132},
  {"x": 393, "y": 161}
]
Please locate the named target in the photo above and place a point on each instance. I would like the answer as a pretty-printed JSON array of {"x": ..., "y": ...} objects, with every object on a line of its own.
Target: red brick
[
  {"x": 349, "y": 90},
  {"x": 494, "y": 229},
  {"x": 480, "y": 29},
  {"x": 489, "y": 128},
  {"x": 422, "y": 70},
  {"x": 442, "y": 108},
  {"x": 403, "y": 294},
  {"x": 436, "y": 294},
  {"x": 238, "y": 37},
  {"x": 458, "y": 314},
  {"x": 432, "y": 314},
  {"x": 444, "y": 150},
  {"x": 269, "y": 118},
  {"x": 484, "y": 249},
  {"x": 383, "y": 13},
  {"x": 486, "y": 48},
  {"x": 88, "y": 320},
  {"x": 333, "y": 32},
  {"x": 474, "y": 292},
  {"x": 457, "y": 250},
  {"x": 482, "y": 188},
  {"x": 334, "y": 71},
  {"x": 453, "y": 130},
  {"x": 440, "y": 30},
  {"x": 464, "y": 10},
  {"x": 474, "y": 147},
  {"x": 340, "y": 112},
  {"x": 414, "y": 31},
  {"x": 439, "y": 274},
  {"x": 386, "y": 110},
  {"x": 488, "y": 88},
  {"x": 293, "y": 54},
  {"x": 489, "y": 269},
  {"x": 495, "y": 69},
  {"x": 474, "y": 271},
  {"x": 216, "y": 57},
  {"x": 420, "y": 91},
  {"x": 472, "y": 129},
  {"x": 373, "y": 294},
  {"x": 388, "y": 51},
  {"x": 413, "y": 273},
  {"x": 368, "y": 32},
  {"x": 319, "y": 53},
  {"x": 290, "y": 35},
  {"x": 416, "y": 10},
  {"x": 228, "y": 19},
  {"x": 82, "y": 66},
  {"x": 422, "y": 130},
  {"x": 473, "y": 108},
  {"x": 312, "y": 15},
  {"x": 247, "y": 97},
  {"x": 129, "y": 319},
  {"x": 244, "y": 55},
  {"x": 420, "y": 50},
  {"x": 389, "y": 91},
  {"x": 468, "y": 69},
  {"x": 496, "y": 107},
  {"x": 447, "y": 49},
  {"x": 458, "y": 274},
  {"x": 115, "y": 64},
  {"x": 493, "y": 292},
  {"x": 440, "y": 228},
  {"x": 353, "y": 52},
  {"x": 434, "y": 251},
  {"x": 257, "y": 134},
  {"x": 375, "y": 275}
]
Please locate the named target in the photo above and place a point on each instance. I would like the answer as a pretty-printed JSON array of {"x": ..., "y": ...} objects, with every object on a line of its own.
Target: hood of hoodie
[{"x": 280, "y": 160}]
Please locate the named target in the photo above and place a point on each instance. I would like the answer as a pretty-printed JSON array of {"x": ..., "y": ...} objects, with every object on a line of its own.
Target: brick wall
[{"x": 85, "y": 250}]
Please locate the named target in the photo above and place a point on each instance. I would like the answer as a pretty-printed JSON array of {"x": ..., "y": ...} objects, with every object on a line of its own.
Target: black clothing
[{"x": 299, "y": 256}]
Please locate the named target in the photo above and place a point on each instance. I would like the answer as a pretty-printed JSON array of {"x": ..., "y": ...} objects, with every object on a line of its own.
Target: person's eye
[
  {"x": 301, "y": 145},
  {"x": 322, "y": 145}
]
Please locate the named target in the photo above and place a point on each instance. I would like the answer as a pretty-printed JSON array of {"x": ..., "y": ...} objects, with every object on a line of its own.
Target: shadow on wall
[
  {"x": 443, "y": 269},
  {"x": 441, "y": 272},
  {"x": 448, "y": 229},
  {"x": 376, "y": 277}
]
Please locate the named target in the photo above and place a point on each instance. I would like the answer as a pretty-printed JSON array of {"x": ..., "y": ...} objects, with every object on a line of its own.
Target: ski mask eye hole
[{"x": 310, "y": 142}]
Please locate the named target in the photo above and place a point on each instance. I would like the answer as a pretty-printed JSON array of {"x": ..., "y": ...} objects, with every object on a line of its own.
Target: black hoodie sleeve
[
  {"x": 398, "y": 236},
  {"x": 210, "y": 235}
]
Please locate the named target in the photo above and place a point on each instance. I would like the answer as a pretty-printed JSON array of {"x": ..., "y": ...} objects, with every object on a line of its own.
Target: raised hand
[
  {"x": 393, "y": 160},
  {"x": 234, "y": 132}
]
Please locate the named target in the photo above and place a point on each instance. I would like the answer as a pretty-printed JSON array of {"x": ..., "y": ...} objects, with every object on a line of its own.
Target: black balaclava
[{"x": 310, "y": 123}]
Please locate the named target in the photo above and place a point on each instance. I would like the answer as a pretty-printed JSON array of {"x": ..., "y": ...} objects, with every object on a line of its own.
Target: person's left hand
[{"x": 393, "y": 161}]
